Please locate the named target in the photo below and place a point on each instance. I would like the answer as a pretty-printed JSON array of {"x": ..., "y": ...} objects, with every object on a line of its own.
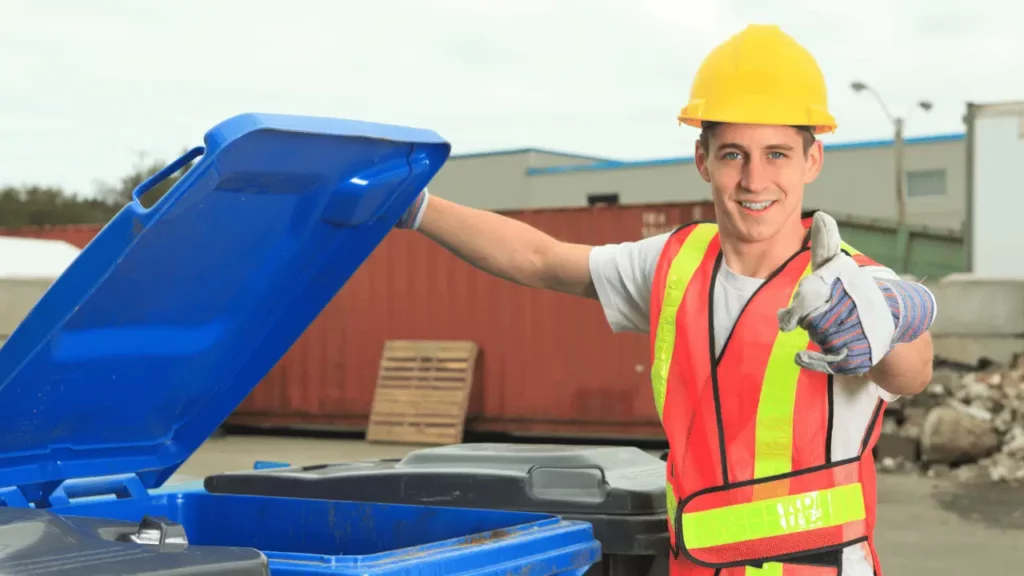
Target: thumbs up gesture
[{"x": 842, "y": 307}]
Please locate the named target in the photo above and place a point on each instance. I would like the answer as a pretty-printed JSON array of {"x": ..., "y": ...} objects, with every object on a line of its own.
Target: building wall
[
  {"x": 857, "y": 179},
  {"x": 646, "y": 183},
  {"x": 17, "y": 298},
  {"x": 496, "y": 181},
  {"x": 861, "y": 181}
]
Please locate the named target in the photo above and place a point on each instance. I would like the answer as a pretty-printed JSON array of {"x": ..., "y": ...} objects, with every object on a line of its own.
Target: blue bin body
[
  {"x": 175, "y": 312},
  {"x": 302, "y": 536}
]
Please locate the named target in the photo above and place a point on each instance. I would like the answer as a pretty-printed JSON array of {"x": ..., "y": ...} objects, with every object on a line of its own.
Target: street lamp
[{"x": 897, "y": 122}]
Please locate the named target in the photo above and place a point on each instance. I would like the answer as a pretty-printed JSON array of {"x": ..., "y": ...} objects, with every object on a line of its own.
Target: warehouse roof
[
  {"x": 622, "y": 164},
  {"x": 510, "y": 151},
  {"x": 34, "y": 258}
]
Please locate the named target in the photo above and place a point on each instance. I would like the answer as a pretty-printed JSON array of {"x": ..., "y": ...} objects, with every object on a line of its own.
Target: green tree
[
  {"x": 40, "y": 206},
  {"x": 37, "y": 206},
  {"x": 121, "y": 192}
]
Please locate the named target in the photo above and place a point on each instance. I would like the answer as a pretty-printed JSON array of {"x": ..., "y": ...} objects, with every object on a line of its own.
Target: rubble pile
[{"x": 969, "y": 422}]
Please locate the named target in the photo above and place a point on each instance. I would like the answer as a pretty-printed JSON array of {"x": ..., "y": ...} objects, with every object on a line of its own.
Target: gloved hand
[
  {"x": 411, "y": 217},
  {"x": 853, "y": 316}
]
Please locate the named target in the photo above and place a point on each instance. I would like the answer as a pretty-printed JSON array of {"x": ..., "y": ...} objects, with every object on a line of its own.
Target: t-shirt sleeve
[{"x": 623, "y": 274}]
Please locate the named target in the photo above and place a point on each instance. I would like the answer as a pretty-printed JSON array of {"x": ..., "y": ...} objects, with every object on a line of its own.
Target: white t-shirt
[{"x": 623, "y": 275}]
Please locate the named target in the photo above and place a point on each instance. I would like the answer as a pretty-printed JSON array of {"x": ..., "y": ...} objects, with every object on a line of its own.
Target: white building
[
  {"x": 28, "y": 266},
  {"x": 857, "y": 179}
]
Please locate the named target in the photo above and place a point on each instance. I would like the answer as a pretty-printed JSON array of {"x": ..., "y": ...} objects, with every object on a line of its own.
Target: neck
[{"x": 760, "y": 259}]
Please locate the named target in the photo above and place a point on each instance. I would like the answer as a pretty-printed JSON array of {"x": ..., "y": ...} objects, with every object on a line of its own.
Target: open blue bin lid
[{"x": 173, "y": 314}]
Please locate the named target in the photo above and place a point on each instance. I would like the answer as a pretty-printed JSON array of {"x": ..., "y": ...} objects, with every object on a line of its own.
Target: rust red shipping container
[{"x": 549, "y": 363}]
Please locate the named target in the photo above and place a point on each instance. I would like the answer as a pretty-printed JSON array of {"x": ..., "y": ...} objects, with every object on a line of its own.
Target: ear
[
  {"x": 700, "y": 160},
  {"x": 814, "y": 161}
]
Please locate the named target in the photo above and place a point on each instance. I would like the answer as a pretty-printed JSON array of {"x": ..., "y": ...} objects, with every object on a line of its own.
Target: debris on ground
[{"x": 968, "y": 424}]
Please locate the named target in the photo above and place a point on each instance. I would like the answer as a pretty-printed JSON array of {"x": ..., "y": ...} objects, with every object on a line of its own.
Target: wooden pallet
[{"x": 422, "y": 392}]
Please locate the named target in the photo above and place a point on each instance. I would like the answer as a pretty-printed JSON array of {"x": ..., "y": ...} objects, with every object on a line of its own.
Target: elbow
[
  {"x": 908, "y": 385},
  {"x": 562, "y": 267},
  {"x": 530, "y": 267},
  {"x": 926, "y": 361},
  {"x": 533, "y": 270},
  {"x": 907, "y": 370},
  {"x": 920, "y": 382}
]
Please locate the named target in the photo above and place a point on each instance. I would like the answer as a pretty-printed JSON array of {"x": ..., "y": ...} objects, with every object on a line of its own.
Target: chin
[
  {"x": 755, "y": 228},
  {"x": 757, "y": 234}
]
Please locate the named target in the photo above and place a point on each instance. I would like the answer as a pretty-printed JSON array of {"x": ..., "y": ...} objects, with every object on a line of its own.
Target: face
[{"x": 757, "y": 175}]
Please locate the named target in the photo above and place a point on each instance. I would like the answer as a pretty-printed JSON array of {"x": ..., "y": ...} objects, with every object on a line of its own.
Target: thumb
[{"x": 825, "y": 241}]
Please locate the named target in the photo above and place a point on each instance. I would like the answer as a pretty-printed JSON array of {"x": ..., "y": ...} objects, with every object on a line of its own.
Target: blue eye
[
  {"x": 777, "y": 155},
  {"x": 731, "y": 156}
]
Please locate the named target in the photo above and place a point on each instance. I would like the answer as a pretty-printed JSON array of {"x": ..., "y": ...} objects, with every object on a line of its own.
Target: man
[{"x": 775, "y": 346}]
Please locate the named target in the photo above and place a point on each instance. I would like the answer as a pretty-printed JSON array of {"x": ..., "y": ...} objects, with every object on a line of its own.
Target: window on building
[
  {"x": 603, "y": 199},
  {"x": 926, "y": 183}
]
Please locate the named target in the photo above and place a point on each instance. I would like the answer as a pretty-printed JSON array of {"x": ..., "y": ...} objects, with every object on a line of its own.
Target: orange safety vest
[{"x": 752, "y": 487}]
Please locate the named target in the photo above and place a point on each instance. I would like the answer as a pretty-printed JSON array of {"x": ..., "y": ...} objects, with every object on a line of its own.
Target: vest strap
[{"x": 776, "y": 518}]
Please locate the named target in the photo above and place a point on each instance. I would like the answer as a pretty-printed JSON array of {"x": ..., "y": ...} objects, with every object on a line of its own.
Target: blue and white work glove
[
  {"x": 410, "y": 219},
  {"x": 856, "y": 318}
]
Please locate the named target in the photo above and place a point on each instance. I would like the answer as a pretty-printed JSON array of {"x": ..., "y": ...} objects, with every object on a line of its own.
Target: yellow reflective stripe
[
  {"x": 769, "y": 569},
  {"x": 773, "y": 436},
  {"x": 779, "y": 516},
  {"x": 773, "y": 440},
  {"x": 850, "y": 249},
  {"x": 680, "y": 272},
  {"x": 671, "y": 503}
]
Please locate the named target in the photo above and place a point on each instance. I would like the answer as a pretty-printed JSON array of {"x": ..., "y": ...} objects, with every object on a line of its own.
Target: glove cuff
[
  {"x": 912, "y": 305},
  {"x": 414, "y": 214}
]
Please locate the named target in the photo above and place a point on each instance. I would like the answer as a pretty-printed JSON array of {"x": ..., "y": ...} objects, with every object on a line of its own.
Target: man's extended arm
[{"x": 507, "y": 248}]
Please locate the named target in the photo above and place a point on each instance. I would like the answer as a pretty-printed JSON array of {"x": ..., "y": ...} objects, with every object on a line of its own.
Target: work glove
[
  {"x": 414, "y": 213},
  {"x": 854, "y": 317}
]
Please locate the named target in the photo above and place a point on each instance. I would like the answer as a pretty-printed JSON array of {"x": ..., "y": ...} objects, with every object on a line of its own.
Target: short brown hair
[{"x": 708, "y": 127}]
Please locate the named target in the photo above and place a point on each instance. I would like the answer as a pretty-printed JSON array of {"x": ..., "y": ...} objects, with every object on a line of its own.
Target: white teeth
[{"x": 757, "y": 205}]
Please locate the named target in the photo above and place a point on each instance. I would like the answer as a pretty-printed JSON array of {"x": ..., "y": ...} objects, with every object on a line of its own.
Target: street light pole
[
  {"x": 898, "y": 123},
  {"x": 901, "y": 197}
]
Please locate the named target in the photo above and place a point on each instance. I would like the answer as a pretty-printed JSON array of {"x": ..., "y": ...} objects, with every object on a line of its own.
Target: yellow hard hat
[{"x": 759, "y": 76}]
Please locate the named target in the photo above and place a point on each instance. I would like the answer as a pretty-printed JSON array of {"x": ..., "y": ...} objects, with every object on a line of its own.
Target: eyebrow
[{"x": 734, "y": 146}]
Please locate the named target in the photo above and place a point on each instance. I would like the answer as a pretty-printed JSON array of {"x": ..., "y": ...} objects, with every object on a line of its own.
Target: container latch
[
  {"x": 120, "y": 485},
  {"x": 159, "y": 532},
  {"x": 13, "y": 497}
]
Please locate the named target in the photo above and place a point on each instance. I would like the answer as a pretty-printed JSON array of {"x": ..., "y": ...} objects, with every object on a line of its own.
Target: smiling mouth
[{"x": 757, "y": 206}]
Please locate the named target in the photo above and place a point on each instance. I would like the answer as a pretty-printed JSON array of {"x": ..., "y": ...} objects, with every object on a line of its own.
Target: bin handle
[
  {"x": 167, "y": 172},
  {"x": 602, "y": 489},
  {"x": 13, "y": 498},
  {"x": 120, "y": 486}
]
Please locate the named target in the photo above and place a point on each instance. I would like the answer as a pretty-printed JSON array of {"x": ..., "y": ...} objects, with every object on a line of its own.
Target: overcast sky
[{"x": 87, "y": 85}]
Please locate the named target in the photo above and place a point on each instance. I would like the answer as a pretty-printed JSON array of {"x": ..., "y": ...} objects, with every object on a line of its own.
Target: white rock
[{"x": 955, "y": 435}]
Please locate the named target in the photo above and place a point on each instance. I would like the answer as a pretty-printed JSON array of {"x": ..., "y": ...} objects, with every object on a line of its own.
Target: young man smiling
[{"x": 775, "y": 345}]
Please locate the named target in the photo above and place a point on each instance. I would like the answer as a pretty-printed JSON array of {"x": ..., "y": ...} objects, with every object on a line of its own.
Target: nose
[{"x": 756, "y": 175}]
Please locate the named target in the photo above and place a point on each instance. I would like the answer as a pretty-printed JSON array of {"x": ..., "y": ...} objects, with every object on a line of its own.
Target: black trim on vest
[
  {"x": 711, "y": 346},
  {"x": 831, "y": 391},
  {"x": 871, "y": 426},
  {"x": 719, "y": 422}
]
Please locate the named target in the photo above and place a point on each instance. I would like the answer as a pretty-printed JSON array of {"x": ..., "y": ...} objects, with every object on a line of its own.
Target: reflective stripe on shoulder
[
  {"x": 683, "y": 266},
  {"x": 859, "y": 257}
]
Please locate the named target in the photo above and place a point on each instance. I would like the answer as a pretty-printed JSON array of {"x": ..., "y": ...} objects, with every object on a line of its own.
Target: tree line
[{"x": 44, "y": 205}]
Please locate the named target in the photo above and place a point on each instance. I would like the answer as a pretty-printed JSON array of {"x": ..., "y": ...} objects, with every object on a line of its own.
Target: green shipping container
[{"x": 925, "y": 252}]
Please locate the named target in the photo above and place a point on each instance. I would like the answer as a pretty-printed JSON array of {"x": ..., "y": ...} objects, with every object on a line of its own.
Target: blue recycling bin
[
  {"x": 173, "y": 313},
  {"x": 327, "y": 537}
]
